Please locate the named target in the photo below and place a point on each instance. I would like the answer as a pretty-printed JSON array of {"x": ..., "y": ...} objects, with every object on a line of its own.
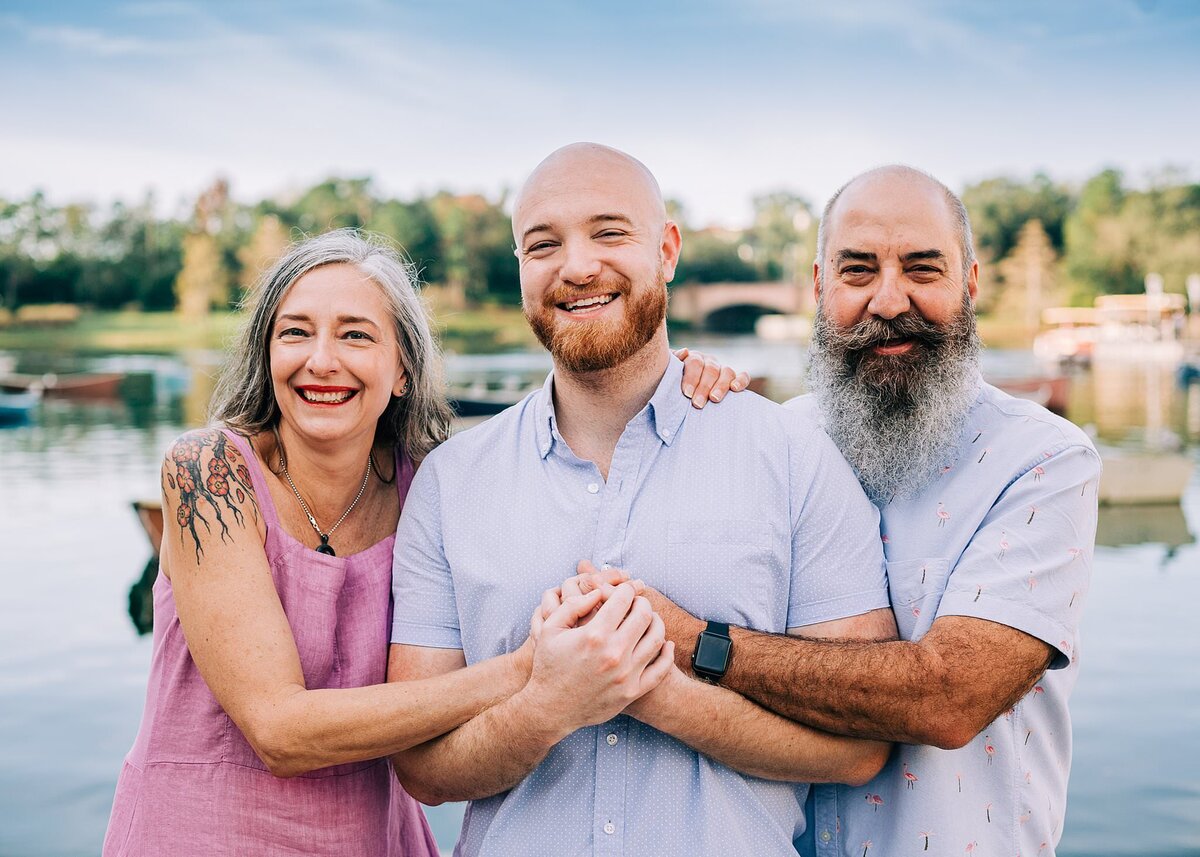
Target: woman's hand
[{"x": 705, "y": 380}]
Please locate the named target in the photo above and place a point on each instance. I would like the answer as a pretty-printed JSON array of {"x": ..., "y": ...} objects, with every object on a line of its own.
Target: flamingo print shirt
[{"x": 1005, "y": 533}]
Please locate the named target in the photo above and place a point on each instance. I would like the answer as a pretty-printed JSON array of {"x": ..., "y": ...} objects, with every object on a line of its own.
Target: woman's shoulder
[{"x": 205, "y": 475}]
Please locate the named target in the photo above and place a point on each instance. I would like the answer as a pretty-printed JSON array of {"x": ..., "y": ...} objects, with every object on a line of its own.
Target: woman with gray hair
[{"x": 268, "y": 723}]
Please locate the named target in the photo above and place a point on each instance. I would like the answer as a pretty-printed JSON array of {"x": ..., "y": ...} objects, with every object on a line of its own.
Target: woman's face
[{"x": 335, "y": 362}]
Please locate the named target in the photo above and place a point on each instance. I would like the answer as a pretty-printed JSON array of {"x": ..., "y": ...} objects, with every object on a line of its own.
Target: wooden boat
[
  {"x": 481, "y": 404},
  {"x": 17, "y": 407},
  {"x": 82, "y": 385},
  {"x": 1052, "y": 392},
  {"x": 1143, "y": 478},
  {"x": 150, "y": 514}
]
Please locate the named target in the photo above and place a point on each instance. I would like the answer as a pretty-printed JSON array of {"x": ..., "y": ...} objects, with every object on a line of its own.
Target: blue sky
[{"x": 721, "y": 99}]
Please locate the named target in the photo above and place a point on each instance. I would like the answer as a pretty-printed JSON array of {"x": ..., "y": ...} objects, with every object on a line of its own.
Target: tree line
[{"x": 1071, "y": 242}]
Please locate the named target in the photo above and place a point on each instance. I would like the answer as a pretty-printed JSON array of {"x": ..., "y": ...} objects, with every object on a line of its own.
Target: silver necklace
[{"x": 324, "y": 547}]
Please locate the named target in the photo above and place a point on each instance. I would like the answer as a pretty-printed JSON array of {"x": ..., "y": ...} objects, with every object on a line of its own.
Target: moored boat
[
  {"x": 1143, "y": 478},
  {"x": 17, "y": 407},
  {"x": 1052, "y": 392},
  {"x": 81, "y": 385}
]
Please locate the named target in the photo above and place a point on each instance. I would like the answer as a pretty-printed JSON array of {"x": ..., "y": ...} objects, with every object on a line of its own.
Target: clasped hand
[{"x": 600, "y": 647}]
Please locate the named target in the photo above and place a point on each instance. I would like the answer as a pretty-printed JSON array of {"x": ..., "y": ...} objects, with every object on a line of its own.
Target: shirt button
[
  {"x": 825, "y": 836},
  {"x": 611, "y": 739},
  {"x": 666, "y": 433},
  {"x": 610, "y": 828},
  {"x": 593, "y": 488}
]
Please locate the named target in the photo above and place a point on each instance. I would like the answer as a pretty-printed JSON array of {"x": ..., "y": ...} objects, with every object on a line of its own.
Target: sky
[{"x": 722, "y": 99}]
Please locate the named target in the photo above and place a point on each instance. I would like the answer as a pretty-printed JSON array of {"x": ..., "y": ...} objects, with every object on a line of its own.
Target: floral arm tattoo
[{"x": 226, "y": 471}]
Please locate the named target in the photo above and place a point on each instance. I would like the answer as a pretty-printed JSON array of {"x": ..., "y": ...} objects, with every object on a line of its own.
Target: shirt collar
[
  {"x": 668, "y": 406},
  {"x": 667, "y": 409}
]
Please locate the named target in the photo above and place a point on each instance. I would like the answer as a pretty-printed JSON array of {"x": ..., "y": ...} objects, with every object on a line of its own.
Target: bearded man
[
  {"x": 744, "y": 514},
  {"x": 988, "y": 519}
]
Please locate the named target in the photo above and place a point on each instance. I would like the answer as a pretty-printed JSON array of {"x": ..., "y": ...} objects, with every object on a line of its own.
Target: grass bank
[{"x": 488, "y": 329}]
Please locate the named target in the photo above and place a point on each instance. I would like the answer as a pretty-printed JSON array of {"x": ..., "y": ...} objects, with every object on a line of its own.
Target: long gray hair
[{"x": 244, "y": 398}]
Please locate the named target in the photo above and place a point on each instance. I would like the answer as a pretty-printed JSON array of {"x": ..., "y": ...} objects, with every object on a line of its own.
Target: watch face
[{"x": 712, "y": 654}]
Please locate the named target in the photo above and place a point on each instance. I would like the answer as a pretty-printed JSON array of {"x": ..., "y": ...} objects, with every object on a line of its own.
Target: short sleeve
[
  {"x": 837, "y": 556},
  {"x": 425, "y": 610},
  {"x": 1029, "y": 564}
]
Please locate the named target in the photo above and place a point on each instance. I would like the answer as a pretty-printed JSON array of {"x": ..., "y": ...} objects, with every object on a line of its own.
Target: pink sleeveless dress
[{"x": 193, "y": 785}]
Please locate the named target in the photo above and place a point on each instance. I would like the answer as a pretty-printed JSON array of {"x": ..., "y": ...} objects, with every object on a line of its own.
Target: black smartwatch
[{"x": 714, "y": 648}]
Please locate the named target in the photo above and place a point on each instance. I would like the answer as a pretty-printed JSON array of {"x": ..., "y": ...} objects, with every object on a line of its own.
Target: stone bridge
[{"x": 736, "y": 306}]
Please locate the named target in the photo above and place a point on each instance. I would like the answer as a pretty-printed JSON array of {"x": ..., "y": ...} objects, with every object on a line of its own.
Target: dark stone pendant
[{"x": 324, "y": 547}]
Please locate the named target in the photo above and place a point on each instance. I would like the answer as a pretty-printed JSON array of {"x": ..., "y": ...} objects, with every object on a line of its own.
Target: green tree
[
  {"x": 1000, "y": 207},
  {"x": 783, "y": 237}
]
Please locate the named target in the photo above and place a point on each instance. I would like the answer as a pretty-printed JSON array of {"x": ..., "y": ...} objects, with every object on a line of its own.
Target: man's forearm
[
  {"x": 872, "y": 690},
  {"x": 489, "y": 754},
  {"x": 890, "y": 691},
  {"x": 745, "y": 736}
]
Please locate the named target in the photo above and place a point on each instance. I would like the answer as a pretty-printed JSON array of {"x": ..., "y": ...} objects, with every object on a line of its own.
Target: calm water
[{"x": 73, "y": 667}]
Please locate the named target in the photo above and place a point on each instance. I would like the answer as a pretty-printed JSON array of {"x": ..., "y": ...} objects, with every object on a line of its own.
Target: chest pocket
[
  {"x": 916, "y": 587},
  {"x": 727, "y": 571}
]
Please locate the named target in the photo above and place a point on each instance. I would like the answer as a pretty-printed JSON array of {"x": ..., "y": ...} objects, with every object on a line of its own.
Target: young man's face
[{"x": 595, "y": 256}]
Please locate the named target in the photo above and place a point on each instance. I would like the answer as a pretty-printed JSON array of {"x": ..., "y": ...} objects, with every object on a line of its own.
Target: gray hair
[
  {"x": 244, "y": 398},
  {"x": 958, "y": 211}
]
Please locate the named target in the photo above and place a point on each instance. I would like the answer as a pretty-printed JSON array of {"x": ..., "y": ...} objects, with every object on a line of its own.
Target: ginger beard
[
  {"x": 602, "y": 343},
  {"x": 895, "y": 417}
]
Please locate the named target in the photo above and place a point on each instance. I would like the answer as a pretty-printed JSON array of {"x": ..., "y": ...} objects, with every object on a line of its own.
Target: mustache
[
  {"x": 563, "y": 294},
  {"x": 875, "y": 331}
]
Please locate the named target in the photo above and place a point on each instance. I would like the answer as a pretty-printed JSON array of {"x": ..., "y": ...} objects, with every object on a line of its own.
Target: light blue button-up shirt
[
  {"x": 1005, "y": 533},
  {"x": 743, "y": 513}
]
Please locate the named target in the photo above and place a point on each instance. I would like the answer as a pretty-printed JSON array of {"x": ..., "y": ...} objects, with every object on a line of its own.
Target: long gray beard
[{"x": 897, "y": 429}]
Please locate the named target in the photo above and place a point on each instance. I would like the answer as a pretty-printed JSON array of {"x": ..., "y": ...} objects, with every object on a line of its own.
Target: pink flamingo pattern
[{"x": 979, "y": 507}]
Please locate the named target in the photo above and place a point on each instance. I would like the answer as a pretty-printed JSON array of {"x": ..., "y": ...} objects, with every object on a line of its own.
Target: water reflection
[{"x": 71, "y": 639}]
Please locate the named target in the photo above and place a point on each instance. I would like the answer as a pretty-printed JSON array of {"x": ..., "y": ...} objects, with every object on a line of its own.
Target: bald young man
[
  {"x": 988, "y": 521},
  {"x": 744, "y": 514}
]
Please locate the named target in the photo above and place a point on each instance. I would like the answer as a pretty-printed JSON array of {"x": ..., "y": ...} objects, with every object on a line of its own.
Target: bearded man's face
[{"x": 896, "y": 417}]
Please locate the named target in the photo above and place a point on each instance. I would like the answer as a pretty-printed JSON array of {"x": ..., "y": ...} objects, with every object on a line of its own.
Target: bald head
[
  {"x": 903, "y": 187},
  {"x": 590, "y": 167}
]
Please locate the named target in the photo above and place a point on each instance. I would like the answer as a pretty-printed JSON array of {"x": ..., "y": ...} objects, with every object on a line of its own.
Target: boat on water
[
  {"x": 1052, "y": 392},
  {"x": 16, "y": 408},
  {"x": 1143, "y": 478},
  {"x": 1141, "y": 328},
  {"x": 78, "y": 385},
  {"x": 150, "y": 515}
]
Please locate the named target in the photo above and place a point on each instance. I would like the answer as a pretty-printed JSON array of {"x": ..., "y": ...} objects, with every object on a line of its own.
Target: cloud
[{"x": 87, "y": 41}]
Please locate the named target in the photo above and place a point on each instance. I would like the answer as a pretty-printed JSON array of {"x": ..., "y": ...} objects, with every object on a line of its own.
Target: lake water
[{"x": 73, "y": 667}]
